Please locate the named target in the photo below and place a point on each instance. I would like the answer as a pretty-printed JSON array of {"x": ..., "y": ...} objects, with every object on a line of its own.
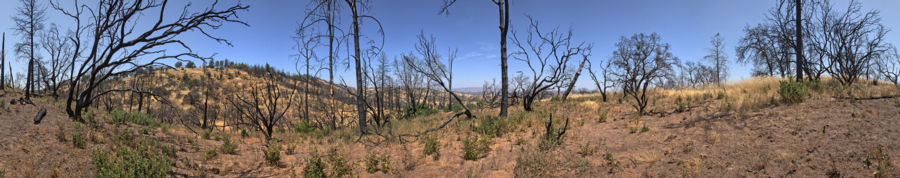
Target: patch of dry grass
[{"x": 649, "y": 156}]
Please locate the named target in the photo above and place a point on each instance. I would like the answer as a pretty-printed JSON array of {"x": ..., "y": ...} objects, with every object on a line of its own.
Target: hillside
[{"x": 746, "y": 131}]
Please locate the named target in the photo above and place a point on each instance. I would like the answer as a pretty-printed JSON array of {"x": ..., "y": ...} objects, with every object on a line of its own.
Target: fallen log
[
  {"x": 40, "y": 115},
  {"x": 871, "y": 98},
  {"x": 416, "y": 136}
]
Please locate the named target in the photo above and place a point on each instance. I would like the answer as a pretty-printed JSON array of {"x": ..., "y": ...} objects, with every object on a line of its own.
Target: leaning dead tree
[
  {"x": 265, "y": 105},
  {"x": 547, "y": 56},
  {"x": 118, "y": 46},
  {"x": 571, "y": 84},
  {"x": 432, "y": 66}
]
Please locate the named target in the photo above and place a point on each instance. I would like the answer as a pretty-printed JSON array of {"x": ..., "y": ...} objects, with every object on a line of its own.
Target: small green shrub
[
  {"x": 720, "y": 95},
  {"x": 372, "y": 162},
  {"x": 418, "y": 110},
  {"x": 555, "y": 98},
  {"x": 493, "y": 126},
  {"x": 473, "y": 147},
  {"x": 145, "y": 160},
  {"x": 169, "y": 151},
  {"x": 339, "y": 166},
  {"x": 707, "y": 96},
  {"x": 602, "y": 117},
  {"x": 815, "y": 86},
  {"x": 206, "y": 134},
  {"x": 210, "y": 154},
  {"x": 87, "y": 115},
  {"x": 315, "y": 168},
  {"x": 139, "y": 118},
  {"x": 272, "y": 155},
  {"x": 290, "y": 149},
  {"x": 793, "y": 92},
  {"x": 521, "y": 141},
  {"x": 533, "y": 163},
  {"x": 881, "y": 159},
  {"x": 645, "y": 129},
  {"x": 587, "y": 149},
  {"x": 552, "y": 138},
  {"x": 144, "y": 131},
  {"x": 473, "y": 106},
  {"x": 386, "y": 165},
  {"x": 228, "y": 147},
  {"x": 456, "y": 107},
  {"x": 432, "y": 147},
  {"x": 322, "y": 133},
  {"x": 611, "y": 161},
  {"x": 280, "y": 130},
  {"x": 78, "y": 140},
  {"x": 304, "y": 127},
  {"x": 681, "y": 106},
  {"x": 244, "y": 133}
]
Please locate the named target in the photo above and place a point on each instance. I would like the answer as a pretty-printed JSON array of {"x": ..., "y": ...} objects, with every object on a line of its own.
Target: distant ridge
[{"x": 468, "y": 90}]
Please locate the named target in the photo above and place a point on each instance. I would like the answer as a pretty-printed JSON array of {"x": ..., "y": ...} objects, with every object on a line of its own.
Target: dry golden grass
[{"x": 649, "y": 156}]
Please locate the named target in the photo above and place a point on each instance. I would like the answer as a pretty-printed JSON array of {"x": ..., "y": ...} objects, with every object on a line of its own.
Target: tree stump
[{"x": 40, "y": 115}]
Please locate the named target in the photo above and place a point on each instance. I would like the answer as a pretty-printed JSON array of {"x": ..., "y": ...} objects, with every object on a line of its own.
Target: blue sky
[{"x": 472, "y": 27}]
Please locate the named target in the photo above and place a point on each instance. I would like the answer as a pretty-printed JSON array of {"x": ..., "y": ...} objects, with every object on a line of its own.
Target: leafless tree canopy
[
  {"x": 718, "y": 58},
  {"x": 850, "y": 41},
  {"x": 431, "y": 66},
  {"x": 642, "y": 62},
  {"x": 604, "y": 82},
  {"x": 547, "y": 56},
  {"x": 117, "y": 45},
  {"x": 29, "y": 20},
  {"x": 56, "y": 68},
  {"x": 888, "y": 65},
  {"x": 266, "y": 104}
]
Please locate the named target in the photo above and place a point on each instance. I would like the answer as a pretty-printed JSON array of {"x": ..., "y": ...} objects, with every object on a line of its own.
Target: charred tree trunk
[
  {"x": 798, "y": 48},
  {"x": 360, "y": 103},
  {"x": 504, "y": 29},
  {"x": 574, "y": 79},
  {"x": 2, "y": 63}
]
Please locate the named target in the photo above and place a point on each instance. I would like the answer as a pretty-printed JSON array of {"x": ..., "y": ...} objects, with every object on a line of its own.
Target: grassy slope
[{"x": 748, "y": 132}]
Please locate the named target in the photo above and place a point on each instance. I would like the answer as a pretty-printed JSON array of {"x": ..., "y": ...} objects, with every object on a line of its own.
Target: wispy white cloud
[{"x": 477, "y": 55}]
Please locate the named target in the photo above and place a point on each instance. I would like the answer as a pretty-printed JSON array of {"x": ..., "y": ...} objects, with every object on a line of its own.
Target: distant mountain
[{"x": 468, "y": 90}]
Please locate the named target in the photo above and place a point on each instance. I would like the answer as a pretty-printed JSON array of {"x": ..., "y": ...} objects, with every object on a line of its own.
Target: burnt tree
[
  {"x": 265, "y": 105},
  {"x": 640, "y": 63},
  {"x": 850, "y": 41},
  {"x": 547, "y": 56},
  {"x": 112, "y": 30},
  {"x": 29, "y": 20},
  {"x": 503, "y": 8},
  {"x": 605, "y": 82}
]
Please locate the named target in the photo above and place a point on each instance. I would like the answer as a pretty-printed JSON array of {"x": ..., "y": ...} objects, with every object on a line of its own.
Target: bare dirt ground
[{"x": 820, "y": 137}]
